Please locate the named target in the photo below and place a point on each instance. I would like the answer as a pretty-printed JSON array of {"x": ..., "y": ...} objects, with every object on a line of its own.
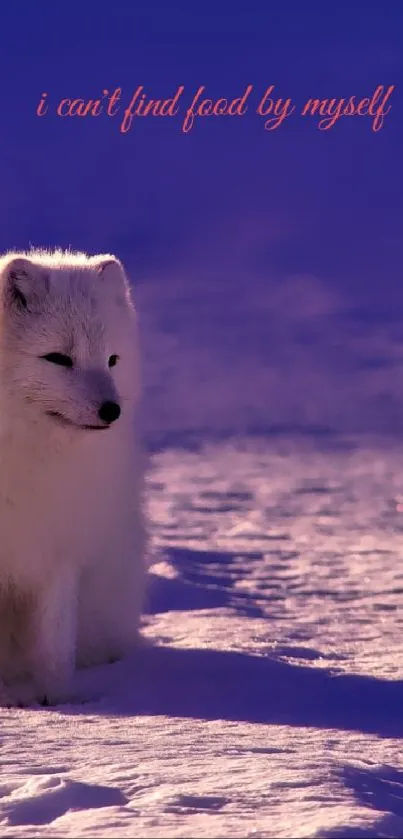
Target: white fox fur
[{"x": 72, "y": 534}]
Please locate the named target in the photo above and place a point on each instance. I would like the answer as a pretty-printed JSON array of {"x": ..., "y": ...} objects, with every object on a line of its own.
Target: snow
[{"x": 267, "y": 698}]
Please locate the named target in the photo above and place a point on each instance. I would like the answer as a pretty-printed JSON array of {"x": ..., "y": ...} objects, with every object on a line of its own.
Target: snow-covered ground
[
  {"x": 271, "y": 704},
  {"x": 268, "y": 700}
]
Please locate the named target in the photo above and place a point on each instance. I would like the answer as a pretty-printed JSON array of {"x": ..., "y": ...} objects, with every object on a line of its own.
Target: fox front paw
[
  {"x": 50, "y": 699},
  {"x": 54, "y": 688},
  {"x": 17, "y": 695}
]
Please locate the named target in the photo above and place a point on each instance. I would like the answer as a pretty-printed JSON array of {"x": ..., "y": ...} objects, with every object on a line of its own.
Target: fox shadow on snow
[{"x": 214, "y": 684}]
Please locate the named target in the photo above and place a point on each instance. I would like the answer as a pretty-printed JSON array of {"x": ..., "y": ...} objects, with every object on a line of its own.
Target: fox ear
[
  {"x": 113, "y": 274},
  {"x": 25, "y": 285},
  {"x": 110, "y": 269}
]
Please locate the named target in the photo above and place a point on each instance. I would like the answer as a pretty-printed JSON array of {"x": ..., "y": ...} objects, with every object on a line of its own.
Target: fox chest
[{"x": 53, "y": 517}]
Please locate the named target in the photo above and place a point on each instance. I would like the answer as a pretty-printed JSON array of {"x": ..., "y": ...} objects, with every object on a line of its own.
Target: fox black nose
[{"x": 109, "y": 412}]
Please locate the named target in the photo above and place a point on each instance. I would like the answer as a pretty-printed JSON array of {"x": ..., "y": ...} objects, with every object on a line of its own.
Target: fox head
[{"x": 68, "y": 342}]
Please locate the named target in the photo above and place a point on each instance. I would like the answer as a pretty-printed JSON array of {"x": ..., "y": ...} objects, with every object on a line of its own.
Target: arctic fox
[{"x": 72, "y": 531}]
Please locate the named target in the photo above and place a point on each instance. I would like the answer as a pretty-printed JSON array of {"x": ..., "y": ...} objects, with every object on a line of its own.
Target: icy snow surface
[{"x": 270, "y": 701}]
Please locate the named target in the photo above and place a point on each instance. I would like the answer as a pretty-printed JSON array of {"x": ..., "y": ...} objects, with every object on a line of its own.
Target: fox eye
[
  {"x": 58, "y": 358},
  {"x": 113, "y": 359}
]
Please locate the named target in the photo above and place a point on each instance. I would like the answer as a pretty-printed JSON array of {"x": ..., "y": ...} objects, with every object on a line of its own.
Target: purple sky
[{"x": 301, "y": 200}]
